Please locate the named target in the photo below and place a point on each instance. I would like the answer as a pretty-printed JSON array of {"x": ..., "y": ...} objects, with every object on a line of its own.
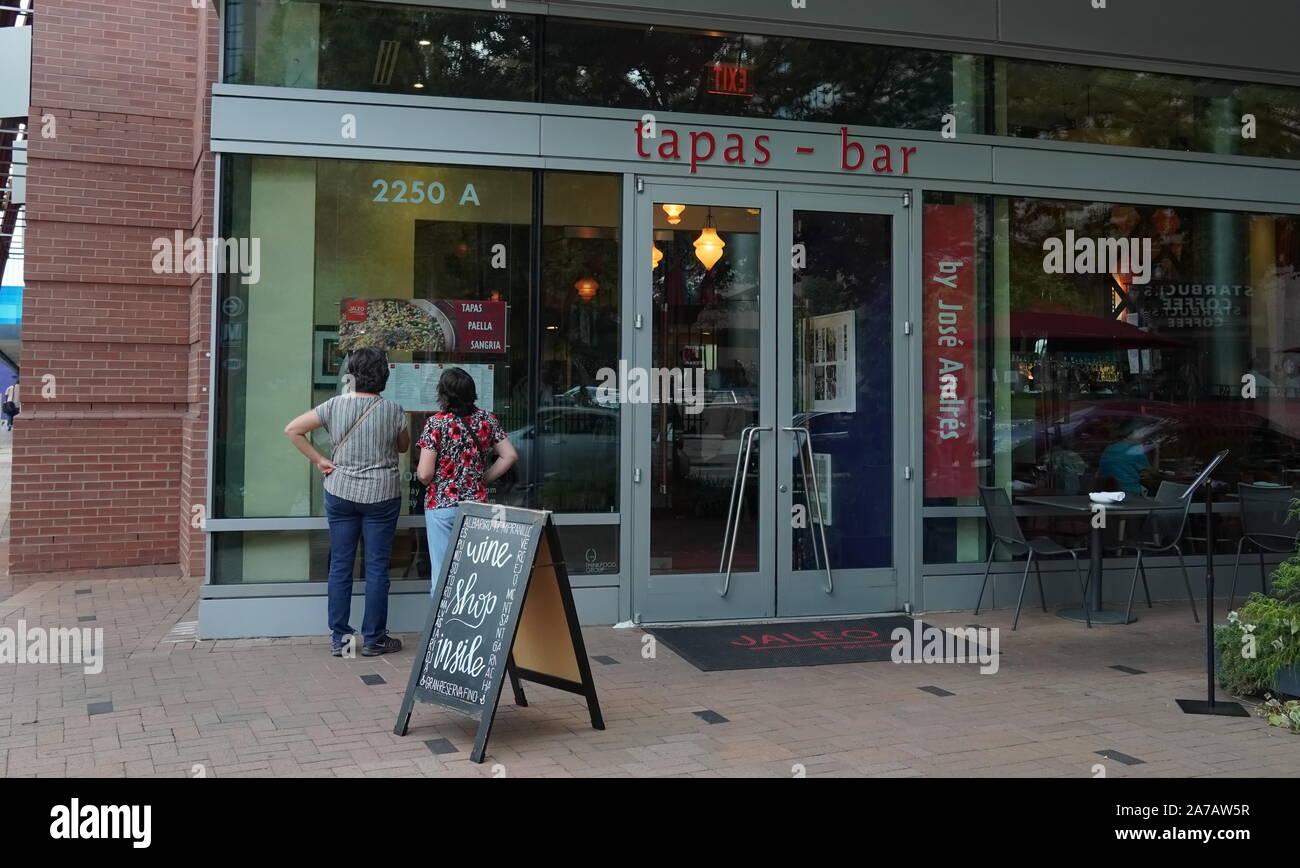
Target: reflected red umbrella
[{"x": 1082, "y": 332}]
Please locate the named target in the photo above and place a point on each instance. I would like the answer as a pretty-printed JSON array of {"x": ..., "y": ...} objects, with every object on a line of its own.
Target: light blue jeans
[{"x": 437, "y": 524}]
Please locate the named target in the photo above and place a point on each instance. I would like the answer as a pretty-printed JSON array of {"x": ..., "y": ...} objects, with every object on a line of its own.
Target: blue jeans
[
  {"x": 437, "y": 524},
  {"x": 349, "y": 522}
]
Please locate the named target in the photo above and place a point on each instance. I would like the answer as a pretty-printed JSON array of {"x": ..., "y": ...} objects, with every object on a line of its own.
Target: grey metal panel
[
  {"x": 1258, "y": 34},
  {"x": 312, "y": 121},
  {"x": 257, "y": 617},
  {"x": 253, "y": 590},
  {"x": 343, "y": 101},
  {"x": 580, "y": 519},
  {"x": 219, "y": 169},
  {"x": 291, "y": 588},
  {"x": 235, "y": 525},
  {"x": 604, "y": 140},
  {"x": 912, "y": 591},
  {"x": 311, "y": 94},
  {"x": 972, "y": 19},
  {"x": 1139, "y": 174},
  {"x": 286, "y": 121},
  {"x": 596, "y": 606},
  {"x": 626, "y": 450},
  {"x": 392, "y": 155}
]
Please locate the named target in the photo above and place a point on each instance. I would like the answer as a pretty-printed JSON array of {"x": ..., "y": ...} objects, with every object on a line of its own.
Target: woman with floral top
[{"x": 453, "y": 454}]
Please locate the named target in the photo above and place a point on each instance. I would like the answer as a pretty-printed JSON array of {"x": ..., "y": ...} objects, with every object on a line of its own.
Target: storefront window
[
  {"x": 393, "y": 48},
  {"x": 436, "y": 265},
  {"x": 575, "y": 438},
  {"x": 1097, "y": 105},
  {"x": 1081, "y": 346},
  {"x": 380, "y": 47},
  {"x": 667, "y": 69}
]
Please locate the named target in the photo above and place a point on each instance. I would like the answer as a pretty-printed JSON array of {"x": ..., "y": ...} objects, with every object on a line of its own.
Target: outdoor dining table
[{"x": 1131, "y": 505}]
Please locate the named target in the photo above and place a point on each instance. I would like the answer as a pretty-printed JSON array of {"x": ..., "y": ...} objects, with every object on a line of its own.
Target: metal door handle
[
  {"x": 731, "y": 503},
  {"x": 804, "y": 440},
  {"x": 738, "y": 496}
]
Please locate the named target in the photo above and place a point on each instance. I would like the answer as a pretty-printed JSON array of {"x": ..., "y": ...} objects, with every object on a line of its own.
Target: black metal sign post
[
  {"x": 1209, "y": 705},
  {"x": 502, "y": 608}
]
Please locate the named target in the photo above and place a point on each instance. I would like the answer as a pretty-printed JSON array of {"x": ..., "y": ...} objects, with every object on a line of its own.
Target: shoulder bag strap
[
  {"x": 339, "y": 444},
  {"x": 469, "y": 430}
]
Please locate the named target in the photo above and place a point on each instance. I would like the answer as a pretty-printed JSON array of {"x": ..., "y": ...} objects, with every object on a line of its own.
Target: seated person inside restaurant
[{"x": 1125, "y": 461}]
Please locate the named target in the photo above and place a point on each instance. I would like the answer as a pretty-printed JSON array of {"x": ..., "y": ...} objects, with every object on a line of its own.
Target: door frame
[
  {"x": 754, "y": 595},
  {"x": 860, "y": 590},
  {"x": 696, "y": 596}
]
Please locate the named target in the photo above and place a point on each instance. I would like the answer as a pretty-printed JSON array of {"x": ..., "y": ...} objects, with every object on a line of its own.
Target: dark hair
[
  {"x": 369, "y": 369},
  {"x": 456, "y": 392}
]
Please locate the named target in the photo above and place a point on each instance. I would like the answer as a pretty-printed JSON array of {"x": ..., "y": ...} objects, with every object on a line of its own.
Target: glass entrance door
[
  {"x": 704, "y": 426},
  {"x": 764, "y": 384},
  {"x": 843, "y": 439}
]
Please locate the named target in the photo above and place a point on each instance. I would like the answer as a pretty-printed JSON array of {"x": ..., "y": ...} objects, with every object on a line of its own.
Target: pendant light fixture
[
  {"x": 708, "y": 247},
  {"x": 674, "y": 213},
  {"x": 655, "y": 256},
  {"x": 586, "y": 287}
]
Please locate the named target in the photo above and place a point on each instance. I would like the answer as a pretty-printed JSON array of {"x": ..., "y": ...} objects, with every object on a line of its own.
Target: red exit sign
[{"x": 729, "y": 79}]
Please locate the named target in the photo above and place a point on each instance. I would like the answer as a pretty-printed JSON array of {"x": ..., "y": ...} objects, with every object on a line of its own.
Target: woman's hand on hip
[{"x": 325, "y": 466}]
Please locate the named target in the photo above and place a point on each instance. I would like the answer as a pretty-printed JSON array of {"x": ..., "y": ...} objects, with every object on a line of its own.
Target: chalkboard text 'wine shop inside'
[{"x": 470, "y": 608}]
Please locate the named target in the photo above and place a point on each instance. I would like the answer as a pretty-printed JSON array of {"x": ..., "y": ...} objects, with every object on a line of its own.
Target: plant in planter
[
  {"x": 1258, "y": 649},
  {"x": 1281, "y": 713}
]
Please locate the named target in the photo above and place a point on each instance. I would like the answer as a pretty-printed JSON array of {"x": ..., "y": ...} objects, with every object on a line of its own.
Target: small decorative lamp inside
[
  {"x": 708, "y": 247},
  {"x": 586, "y": 286}
]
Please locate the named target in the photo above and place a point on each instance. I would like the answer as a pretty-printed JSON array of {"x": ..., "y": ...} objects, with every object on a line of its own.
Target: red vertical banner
[{"x": 949, "y": 334}]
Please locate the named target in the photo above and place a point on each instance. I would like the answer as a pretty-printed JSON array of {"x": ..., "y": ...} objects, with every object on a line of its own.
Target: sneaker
[
  {"x": 336, "y": 648},
  {"x": 386, "y": 645}
]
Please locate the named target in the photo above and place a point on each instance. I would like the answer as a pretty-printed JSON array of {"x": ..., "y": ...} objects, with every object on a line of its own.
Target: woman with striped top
[{"x": 362, "y": 493}]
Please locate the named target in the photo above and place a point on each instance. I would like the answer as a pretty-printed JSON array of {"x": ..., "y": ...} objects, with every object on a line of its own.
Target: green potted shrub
[{"x": 1258, "y": 650}]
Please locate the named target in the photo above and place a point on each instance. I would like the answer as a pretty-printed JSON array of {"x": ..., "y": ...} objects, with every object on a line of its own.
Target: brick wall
[{"x": 110, "y": 451}]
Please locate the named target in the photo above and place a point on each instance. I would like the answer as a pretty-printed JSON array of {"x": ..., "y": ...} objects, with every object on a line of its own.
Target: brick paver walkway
[{"x": 286, "y": 707}]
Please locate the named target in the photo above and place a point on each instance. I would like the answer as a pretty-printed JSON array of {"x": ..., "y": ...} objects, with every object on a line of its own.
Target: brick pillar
[{"x": 111, "y": 448}]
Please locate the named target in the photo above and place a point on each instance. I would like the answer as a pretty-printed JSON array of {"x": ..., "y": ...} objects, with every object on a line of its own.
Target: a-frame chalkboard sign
[{"x": 502, "y": 606}]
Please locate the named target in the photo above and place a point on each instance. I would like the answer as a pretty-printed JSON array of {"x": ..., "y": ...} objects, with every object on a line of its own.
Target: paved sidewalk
[{"x": 166, "y": 704}]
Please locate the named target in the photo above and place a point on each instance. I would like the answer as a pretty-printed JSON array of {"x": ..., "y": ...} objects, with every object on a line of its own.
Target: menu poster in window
[
  {"x": 502, "y": 607},
  {"x": 422, "y": 325},
  {"x": 414, "y": 385},
  {"x": 831, "y": 363},
  {"x": 948, "y": 357}
]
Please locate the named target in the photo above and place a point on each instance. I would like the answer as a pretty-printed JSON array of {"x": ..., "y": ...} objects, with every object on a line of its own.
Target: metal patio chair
[
  {"x": 1266, "y": 524},
  {"x": 1005, "y": 527},
  {"x": 1167, "y": 529}
]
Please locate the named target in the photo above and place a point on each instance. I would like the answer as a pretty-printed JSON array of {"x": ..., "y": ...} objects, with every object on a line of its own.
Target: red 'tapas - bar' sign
[{"x": 744, "y": 148}]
